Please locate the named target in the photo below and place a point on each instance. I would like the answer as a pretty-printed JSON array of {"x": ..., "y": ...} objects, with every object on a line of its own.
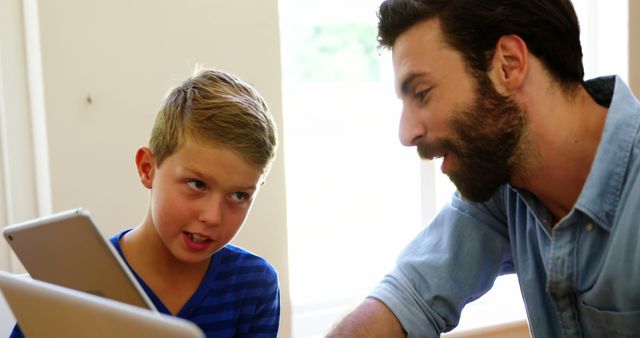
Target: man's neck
[{"x": 566, "y": 133}]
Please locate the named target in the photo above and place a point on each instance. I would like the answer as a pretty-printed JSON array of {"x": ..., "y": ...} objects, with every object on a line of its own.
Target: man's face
[{"x": 451, "y": 114}]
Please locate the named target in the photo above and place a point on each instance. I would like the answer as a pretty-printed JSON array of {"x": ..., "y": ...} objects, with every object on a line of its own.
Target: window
[{"x": 347, "y": 219}]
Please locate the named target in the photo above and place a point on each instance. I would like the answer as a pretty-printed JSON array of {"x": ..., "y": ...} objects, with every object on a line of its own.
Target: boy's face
[{"x": 200, "y": 197}]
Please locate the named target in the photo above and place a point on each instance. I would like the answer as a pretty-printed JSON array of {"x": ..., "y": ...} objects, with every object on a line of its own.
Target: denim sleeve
[{"x": 452, "y": 262}]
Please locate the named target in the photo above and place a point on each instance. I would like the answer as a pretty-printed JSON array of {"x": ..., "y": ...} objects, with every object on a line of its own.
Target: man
[{"x": 547, "y": 169}]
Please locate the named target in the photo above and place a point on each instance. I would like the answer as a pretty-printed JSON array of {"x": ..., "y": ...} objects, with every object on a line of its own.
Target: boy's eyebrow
[
  {"x": 197, "y": 173},
  {"x": 247, "y": 188}
]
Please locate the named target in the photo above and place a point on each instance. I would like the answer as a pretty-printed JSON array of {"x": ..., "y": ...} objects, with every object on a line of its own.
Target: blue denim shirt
[{"x": 580, "y": 278}]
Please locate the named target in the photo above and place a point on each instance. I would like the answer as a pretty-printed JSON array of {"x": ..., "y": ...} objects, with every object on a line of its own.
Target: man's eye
[
  {"x": 422, "y": 95},
  {"x": 195, "y": 184},
  {"x": 239, "y": 196}
]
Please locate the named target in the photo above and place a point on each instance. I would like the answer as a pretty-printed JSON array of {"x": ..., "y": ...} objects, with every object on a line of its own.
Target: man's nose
[{"x": 410, "y": 130}]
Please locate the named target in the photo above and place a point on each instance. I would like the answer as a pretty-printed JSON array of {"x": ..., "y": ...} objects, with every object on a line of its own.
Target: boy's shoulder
[
  {"x": 231, "y": 250},
  {"x": 235, "y": 257}
]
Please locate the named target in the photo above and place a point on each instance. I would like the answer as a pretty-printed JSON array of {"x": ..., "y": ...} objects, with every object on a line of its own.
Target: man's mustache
[{"x": 435, "y": 149}]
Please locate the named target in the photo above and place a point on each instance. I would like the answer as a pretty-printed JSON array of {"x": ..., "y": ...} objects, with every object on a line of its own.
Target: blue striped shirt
[{"x": 238, "y": 297}]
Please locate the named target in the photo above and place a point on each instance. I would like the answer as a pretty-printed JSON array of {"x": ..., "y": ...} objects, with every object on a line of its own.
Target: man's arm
[{"x": 370, "y": 319}]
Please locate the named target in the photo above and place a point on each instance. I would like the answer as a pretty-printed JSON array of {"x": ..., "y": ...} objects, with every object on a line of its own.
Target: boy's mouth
[{"x": 196, "y": 238}]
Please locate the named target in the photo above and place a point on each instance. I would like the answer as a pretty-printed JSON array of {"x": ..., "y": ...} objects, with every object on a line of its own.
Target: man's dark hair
[{"x": 549, "y": 28}]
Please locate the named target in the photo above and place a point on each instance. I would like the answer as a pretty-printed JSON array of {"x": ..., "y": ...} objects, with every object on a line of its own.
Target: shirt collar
[{"x": 602, "y": 190}]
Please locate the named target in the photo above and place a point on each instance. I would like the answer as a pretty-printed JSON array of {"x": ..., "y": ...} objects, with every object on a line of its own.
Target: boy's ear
[
  {"x": 510, "y": 64},
  {"x": 146, "y": 166}
]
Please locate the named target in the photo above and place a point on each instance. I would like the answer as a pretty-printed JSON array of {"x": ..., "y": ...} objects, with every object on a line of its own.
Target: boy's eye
[
  {"x": 239, "y": 196},
  {"x": 196, "y": 184}
]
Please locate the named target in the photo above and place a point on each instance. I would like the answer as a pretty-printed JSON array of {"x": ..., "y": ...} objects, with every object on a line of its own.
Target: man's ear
[
  {"x": 510, "y": 64},
  {"x": 146, "y": 166}
]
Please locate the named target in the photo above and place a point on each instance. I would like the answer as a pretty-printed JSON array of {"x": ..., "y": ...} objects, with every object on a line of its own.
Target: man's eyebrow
[{"x": 406, "y": 83}]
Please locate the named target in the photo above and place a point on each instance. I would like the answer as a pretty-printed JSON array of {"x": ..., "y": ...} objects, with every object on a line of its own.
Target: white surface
[{"x": 502, "y": 304}]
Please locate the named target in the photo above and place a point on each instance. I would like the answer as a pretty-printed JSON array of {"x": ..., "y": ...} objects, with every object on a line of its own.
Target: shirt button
[{"x": 589, "y": 226}]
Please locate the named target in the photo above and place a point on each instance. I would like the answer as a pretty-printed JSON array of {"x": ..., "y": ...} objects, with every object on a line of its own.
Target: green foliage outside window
[{"x": 344, "y": 52}]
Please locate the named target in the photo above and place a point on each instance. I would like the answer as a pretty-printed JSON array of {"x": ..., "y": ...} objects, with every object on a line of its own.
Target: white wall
[
  {"x": 124, "y": 55},
  {"x": 17, "y": 197}
]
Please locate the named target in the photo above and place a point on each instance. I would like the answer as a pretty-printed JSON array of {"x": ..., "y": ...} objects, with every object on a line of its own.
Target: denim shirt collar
[{"x": 603, "y": 188}]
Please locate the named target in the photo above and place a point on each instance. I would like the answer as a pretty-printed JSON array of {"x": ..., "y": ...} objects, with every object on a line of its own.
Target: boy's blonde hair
[{"x": 215, "y": 106}]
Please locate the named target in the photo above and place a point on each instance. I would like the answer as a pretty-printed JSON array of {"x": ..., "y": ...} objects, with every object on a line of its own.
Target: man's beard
[{"x": 488, "y": 135}]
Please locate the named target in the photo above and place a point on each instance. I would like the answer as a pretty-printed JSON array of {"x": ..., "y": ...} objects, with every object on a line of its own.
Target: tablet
[
  {"x": 48, "y": 310},
  {"x": 68, "y": 249}
]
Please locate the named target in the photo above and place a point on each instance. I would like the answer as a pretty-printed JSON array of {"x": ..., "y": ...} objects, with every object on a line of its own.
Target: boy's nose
[
  {"x": 410, "y": 129},
  {"x": 211, "y": 212}
]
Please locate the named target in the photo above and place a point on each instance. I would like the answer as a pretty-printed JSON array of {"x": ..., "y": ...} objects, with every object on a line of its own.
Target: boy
[{"x": 209, "y": 152}]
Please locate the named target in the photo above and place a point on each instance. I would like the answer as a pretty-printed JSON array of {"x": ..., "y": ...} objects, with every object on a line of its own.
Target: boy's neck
[{"x": 173, "y": 281}]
